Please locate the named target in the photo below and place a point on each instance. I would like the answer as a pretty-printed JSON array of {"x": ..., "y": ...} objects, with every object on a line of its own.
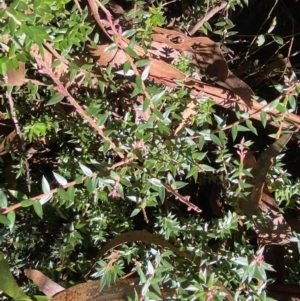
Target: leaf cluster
[{"x": 105, "y": 150}]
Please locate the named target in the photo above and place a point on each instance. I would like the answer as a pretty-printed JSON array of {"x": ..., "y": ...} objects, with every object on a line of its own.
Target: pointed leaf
[
  {"x": 38, "y": 208},
  {"x": 60, "y": 179},
  {"x": 3, "y": 200},
  {"x": 45, "y": 185},
  {"x": 85, "y": 170}
]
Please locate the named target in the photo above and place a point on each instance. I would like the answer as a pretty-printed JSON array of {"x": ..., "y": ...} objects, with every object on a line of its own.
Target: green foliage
[
  {"x": 90, "y": 194},
  {"x": 8, "y": 283}
]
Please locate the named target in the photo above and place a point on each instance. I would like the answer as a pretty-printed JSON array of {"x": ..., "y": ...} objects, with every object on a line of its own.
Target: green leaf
[
  {"x": 139, "y": 82},
  {"x": 125, "y": 182},
  {"x": 242, "y": 128},
  {"x": 8, "y": 284},
  {"x": 128, "y": 33},
  {"x": 281, "y": 108},
  {"x": 3, "y": 200},
  {"x": 46, "y": 198},
  {"x": 12, "y": 51},
  {"x": 73, "y": 74},
  {"x": 27, "y": 203},
  {"x": 121, "y": 191},
  {"x": 71, "y": 193},
  {"x": 153, "y": 296},
  {"x": 145, "y": 73},
  {"x": 250, "y": 126},
  {"x": 101, "y": 85},
  {"x": 215, "y": 139},
  {"x": 5, "y": 221},
  {"x": 85, "y": 170},
  {"x": 3, "y": 69},
  {"x": 162, "y": 127},
  {"x": 45, "y": 185},
  {"x": 259, "y": 273},
  {"x": 38, "y": 208},
  {"x": 142, "y": 63},
  {"x": 249, "y": 273},
  {"x": 56, "y": 98},
  {"x": 158, "y": 114},
  {"x": 162, "y": 193},
  {"x": 126, "y": 67},
  {"x": 11, "y": 217},
  {"x": 131, "y": 52},
  {"x": 241, "y": 261},
  {"x": 11, "y": 25},
  {"x": 292, "y": 102},
  {"x": 145, "y": 288},
  {"x": 272, "y": 26},
  {"x": 102, "y": 118},
  {"x": 55, "y": 64},
  {"x": 155, "y": 182},
  {"x": 60, "y": 179},
  {"x": 201, "y": 142},
  {"x": 18, "y": 195},
  {"x": 146, "y": 104},
  {"x": 157, "y": 96},
  {"x": 260, "y": 40},
  {"x": 110, "y": 47},
  {"x": 223, "y": 138},
  {"x": 192, "y": 171},
  {"x": 278, "y": 39},
  {"x": 274, "y": 103},
  {"x": 207, "y": 167},
  {"x": 135, "y": 212},
  {"x": 40, "y": 298},
  {"x": 180, "y": 184},
  {"x": 35, "y": 33},
  {"x": 234, "y": 131},
  {"x": 63, "y": 194},
  {"x": 106, "y": 147},
  {"x": 263, "y": 118}
]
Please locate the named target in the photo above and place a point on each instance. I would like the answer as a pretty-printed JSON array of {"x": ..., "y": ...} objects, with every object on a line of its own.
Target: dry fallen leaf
[
  {"x": 116, "y": 8},
  {"x": 238, "y": 87},
  {"x": 114, "y": 58},
  {"x": 16, "y": 77},
  {"x": 206, "y": 53}
]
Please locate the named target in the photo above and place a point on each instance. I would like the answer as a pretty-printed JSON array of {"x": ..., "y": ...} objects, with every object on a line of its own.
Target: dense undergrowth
[{"x": 92, "y": 148}]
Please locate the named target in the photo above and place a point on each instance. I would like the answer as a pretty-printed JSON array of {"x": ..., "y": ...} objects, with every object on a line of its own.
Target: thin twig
[
  {"x": 49, "y": 47},
  {"x": 169, "y": 2},
  {"x": 290, "y": 49},
  {"x": 145, "y": 216},
  {"x": 256, "y": 36},
  {"x": 173, "y": 191},
  {"x": 120, "y": 41},
  {"x": 19, "y": 134},
  {"x": 78, "y": 6},
  {"x": 208, "y": 16},
  {"x": 73, "y": 183},
  {"x": 94, "y": 8},
  {"x": 64, "y": 91}
]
